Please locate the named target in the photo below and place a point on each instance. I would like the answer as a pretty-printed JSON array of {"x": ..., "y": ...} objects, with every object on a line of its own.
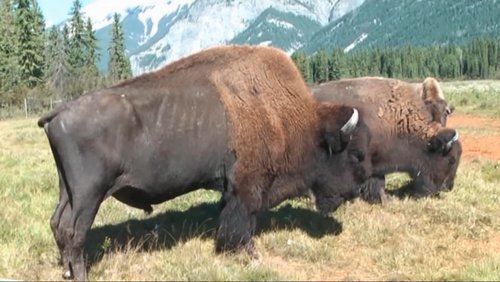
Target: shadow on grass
[{"x": 171, "y": 227}]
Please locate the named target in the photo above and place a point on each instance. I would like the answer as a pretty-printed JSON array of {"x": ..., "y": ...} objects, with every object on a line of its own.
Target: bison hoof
[
  {"x": 256, "y": 259},
  {"x": 67, "y": 275},
  {"x": 375, "y": 197},
  {"x": 252, "y": 251},
  {"x": 383, "y": 197},
  {"x": 235, "y": 248}
]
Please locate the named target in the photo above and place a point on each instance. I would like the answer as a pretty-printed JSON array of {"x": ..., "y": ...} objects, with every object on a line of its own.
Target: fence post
[
  {"x": 26, "y": 107},
  {"x": 51, "y": 104}
]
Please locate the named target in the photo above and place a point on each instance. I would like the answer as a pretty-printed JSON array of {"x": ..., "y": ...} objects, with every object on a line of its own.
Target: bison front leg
[
  {"x": 236, "y": 226},
  {"x": 373, "y": 190}
]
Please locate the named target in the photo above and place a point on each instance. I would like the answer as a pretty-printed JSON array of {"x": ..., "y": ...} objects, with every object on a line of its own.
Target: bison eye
[
  {"x": 356, "y": 156},
  {"x": 452, "y": 161}
]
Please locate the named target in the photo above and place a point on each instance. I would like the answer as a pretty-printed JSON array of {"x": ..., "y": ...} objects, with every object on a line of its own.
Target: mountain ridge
[
  {"x": 160, "y": 31},
  {"x": 381, "y": 23}
]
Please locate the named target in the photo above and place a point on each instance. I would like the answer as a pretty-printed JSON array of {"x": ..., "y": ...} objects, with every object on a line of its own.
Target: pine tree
[
  {"x": 320, "y": 66},
  {"x": 483, "y": 55},
  {"x": 119, "y": 65},
  {"x": 90, "y": 71},
  {"x": 356, "y": 64},
  {"x": 420, "y": 59},
  {"x": 409, "y": 63},
  {"x": 431, "y": 61},
  {"x": 302, "y": 62},
  {"x": 8, "y": 59},
  {"x": 337, "y": 64},
  {"x": 39, "y": 36},
  {"x": 363, "y": 62},
  {"x": 59, "y": 76},
  {"x": 492, "y": 54},
  {"x": 497, "y": 64},
  {"x": 29, "y": 51},
  {"x": 76, "y": 42},
  {"x": 374, "y": 63},
  {"x": 397, "y": 70},
  {"x": 51, "y": 40}
]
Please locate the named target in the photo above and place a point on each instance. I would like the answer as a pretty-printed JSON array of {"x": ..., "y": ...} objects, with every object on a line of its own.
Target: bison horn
[
  {"x": 350, "y": 125},
  {"x": 453, "y": 140}
]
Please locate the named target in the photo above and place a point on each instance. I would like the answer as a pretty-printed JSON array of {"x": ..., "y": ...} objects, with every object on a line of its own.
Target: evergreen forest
[
  {"x": 62, "y": 61},
  {"x": 479, "y": 59},
  {"x": 57, "y": 62}
]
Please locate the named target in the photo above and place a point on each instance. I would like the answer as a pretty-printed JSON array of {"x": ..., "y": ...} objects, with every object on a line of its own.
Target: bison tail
[{"x": 46, "y": 118}]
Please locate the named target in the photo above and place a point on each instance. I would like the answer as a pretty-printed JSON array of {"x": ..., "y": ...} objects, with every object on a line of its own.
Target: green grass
[
  {"x": 453, "y": 237},
  {"x": 474, "y": 97}
]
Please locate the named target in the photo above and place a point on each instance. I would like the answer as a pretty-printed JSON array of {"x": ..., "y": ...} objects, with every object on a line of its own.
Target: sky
[{"x": 56, "y": 11}]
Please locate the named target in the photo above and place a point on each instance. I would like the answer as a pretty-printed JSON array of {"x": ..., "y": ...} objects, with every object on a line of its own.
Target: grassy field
[
  {"x": 474, "y": 97},
  {"x": 453, "y": 237}
]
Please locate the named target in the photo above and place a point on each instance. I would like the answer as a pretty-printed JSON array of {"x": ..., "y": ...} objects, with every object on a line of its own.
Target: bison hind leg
[
  {"x": 134, "y": 197},
  {"x": 60, "y": 224}
]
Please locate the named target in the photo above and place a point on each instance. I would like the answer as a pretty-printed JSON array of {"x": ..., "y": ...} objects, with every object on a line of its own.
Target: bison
[
  {"x": 235, "y": 118},
  {"x": 403, "y": 135}
]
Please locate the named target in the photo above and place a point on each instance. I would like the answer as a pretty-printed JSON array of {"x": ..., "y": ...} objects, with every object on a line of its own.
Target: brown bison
[
  {"x": 401, "y": 132},
  {"x": 235, "y": 118}
]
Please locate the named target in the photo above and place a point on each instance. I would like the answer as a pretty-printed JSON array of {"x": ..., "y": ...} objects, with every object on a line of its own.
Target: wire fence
[{"x": 31, "y": 107}]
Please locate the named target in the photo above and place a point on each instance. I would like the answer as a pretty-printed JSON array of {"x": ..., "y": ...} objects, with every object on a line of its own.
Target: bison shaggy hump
[{"x": 239, "y": 119}]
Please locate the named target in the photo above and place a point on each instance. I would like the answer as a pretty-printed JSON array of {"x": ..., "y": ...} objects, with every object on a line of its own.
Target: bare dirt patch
[
  {"x": 487, "y": 145},
  {"x": 461, "y": 119}
]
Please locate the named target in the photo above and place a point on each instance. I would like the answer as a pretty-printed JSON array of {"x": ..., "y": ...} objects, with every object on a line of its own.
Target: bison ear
[
  {"x": 337, "y": 125},
  {"x": 443, "y": 141}
]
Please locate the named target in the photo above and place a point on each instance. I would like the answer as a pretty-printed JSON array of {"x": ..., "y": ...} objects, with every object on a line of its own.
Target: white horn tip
[{"x": 352, "y": 122}]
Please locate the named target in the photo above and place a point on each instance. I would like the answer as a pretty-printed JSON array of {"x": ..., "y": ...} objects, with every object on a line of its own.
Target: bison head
[
  {"x": 435, "y": 102},
  {"x": 342, "y": 165},
  {"x": 437, "y": 172},
  {"x": 439, "y": 110}
]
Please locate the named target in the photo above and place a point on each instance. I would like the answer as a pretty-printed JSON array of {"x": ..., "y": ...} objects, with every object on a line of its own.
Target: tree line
[
  {"x": 479, "y": 59},
  {"x": 59, "y": 62}
]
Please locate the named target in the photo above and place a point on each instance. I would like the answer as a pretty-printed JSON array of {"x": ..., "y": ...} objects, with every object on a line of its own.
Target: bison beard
[{"x": 235, "y": 118}]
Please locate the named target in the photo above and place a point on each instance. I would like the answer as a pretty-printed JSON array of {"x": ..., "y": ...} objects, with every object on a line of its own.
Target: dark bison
[
  {"x": 434, "y": 99},
  {"x": 235, "y": 118},
  {"x": 402, "y": 133}
]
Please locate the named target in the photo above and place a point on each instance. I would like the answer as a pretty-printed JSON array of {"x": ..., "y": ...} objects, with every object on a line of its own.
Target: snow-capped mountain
[
  {"x": 396, "y": 23},
  {"x": 160, "y": 31}
]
